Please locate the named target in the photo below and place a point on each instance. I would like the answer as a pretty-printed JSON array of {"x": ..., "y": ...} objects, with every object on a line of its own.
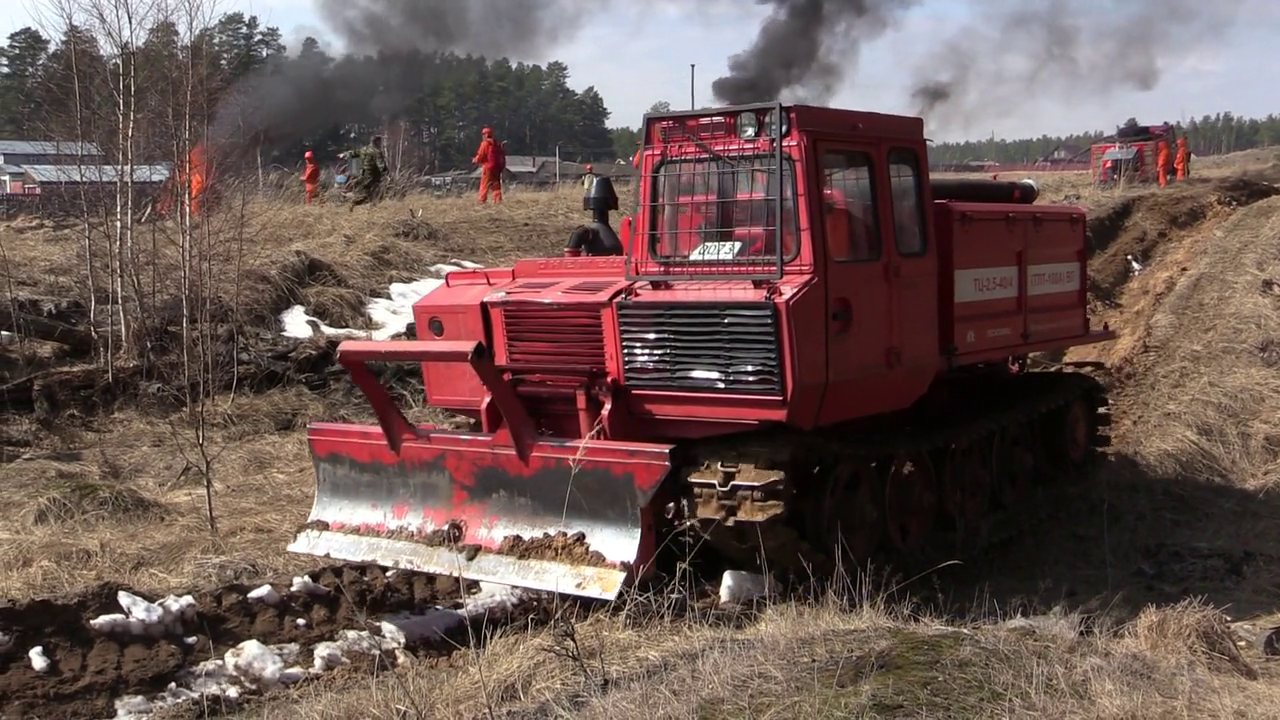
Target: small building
[
  {"x": 68, "y": 189},
  {"x": 50, "y": 152},
  {"x": 523, "y": 168},
  {"x": 1064, "y": 154},
  {"x": 11, "y": 177},
  {"x": 451, "y": 182},
  {"x": 37, "y": 178},
  {"x": 542, "y": 170}
]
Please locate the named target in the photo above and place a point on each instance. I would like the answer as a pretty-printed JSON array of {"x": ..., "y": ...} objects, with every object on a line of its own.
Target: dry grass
[
  {"x": 121, "y": 500},
  {"x": 1198, "y": 397},
  {"x": 823, "y": 659},
  {"x": 127, "y": 505},
  {"x": 1077, "y": 188},
  {"x": 263, "y": 248},
  {"x": 1207, "y": 354}
]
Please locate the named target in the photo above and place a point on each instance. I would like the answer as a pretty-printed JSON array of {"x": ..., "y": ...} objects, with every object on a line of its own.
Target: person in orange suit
[
  {"x": 1182, "y": 162},
  {"x": 311, "y": 176},
  {"x": 1164, "y": 163},
  {"x": 492, "y": 159}
]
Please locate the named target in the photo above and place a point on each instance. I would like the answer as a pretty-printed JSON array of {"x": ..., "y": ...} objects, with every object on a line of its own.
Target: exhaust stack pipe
[
  {"x": 596, "y": 237},
  {"x": 1022, "y": 192}
]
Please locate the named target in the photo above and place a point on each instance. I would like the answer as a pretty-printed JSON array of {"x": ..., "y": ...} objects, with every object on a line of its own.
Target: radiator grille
[
  {"x": 701, "y": 346},
  {"x": 554, "y": 337}
]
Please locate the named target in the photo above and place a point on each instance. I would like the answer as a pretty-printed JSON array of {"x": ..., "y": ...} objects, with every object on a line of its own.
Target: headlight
[
  {"x": 777, "y": 124},
  {"x": 748, "y": 125}
]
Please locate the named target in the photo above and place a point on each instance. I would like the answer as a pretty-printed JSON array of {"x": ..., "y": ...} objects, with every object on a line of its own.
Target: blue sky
[{"x": 638, "y": 56}]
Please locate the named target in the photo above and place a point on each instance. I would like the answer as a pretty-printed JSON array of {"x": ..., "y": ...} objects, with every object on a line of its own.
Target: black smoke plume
[
  {"x": 805, "y": 48},
  {"x": 1021, "y": 53},
  {"x": 493, "y": 28},
  {"x": 297, "y": 98}
]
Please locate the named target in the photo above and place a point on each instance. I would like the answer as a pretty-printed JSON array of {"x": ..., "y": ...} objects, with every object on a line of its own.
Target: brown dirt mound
[
  {"x": 1138, "y": 224},
  {"x": 560, "y": 546},
  {"x": 91, "y": 670}
]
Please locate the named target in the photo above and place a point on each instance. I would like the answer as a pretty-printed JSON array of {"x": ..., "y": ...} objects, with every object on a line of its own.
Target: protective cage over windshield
[{"x": 718, "y": 197}]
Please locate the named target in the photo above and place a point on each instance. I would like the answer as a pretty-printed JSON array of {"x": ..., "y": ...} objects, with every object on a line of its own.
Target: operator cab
[
  {"x": 821, "y": 210},
  {"x": 745, "y": 191}
]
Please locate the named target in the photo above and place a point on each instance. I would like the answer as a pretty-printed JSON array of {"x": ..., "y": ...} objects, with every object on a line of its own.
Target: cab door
[
  {"x": 849, "y": 227},
  {"x": 913, "y": 271}
]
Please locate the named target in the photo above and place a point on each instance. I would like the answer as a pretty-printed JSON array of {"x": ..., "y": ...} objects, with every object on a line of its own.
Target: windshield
[{"x": 722, "y": 210}]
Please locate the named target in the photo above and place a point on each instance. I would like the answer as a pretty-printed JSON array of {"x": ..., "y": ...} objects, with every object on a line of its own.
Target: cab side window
[
  {"x": 849, "y": 206},
  {"x": 908, "y": 211}
]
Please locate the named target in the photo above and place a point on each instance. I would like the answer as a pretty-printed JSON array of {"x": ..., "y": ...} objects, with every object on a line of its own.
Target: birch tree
[
  {"x": 196, "y": 242},
  {"x": 80, "y": 69},
  {"x": 122, "y": 25}
]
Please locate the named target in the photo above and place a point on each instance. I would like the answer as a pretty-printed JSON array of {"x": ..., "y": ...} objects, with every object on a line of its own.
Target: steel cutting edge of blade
[{"x": 600, "y": 583}]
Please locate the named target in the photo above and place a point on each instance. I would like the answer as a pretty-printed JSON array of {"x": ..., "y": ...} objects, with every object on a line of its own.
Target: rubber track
[{"x": 1019, "y": 400}]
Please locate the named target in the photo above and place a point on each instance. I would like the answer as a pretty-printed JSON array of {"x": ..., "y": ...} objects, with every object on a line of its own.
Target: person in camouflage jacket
[{"x": 373, "y": 172}]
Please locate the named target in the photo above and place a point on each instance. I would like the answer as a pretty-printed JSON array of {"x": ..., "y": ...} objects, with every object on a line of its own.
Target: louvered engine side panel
[
  {"x": 545, "y": 336},
  {"x": 701, "y": 346}
]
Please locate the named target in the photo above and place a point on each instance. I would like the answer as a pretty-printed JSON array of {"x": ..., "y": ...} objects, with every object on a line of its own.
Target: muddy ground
[{"x": 90, "y": 669}]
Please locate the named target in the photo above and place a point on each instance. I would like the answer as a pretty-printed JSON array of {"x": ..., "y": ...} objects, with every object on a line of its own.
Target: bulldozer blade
[{"x": 574, "y": 517}]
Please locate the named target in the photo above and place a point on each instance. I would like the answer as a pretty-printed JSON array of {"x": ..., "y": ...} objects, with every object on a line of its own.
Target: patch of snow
[
  {"x": 129, "y": 707},
  {"x": 266, "y": 595},
  {"x": 327, "y": 656},
  {"x": 490, "y": 600},
  {"x": 39, "y": 662},
  {"x": 253, "y": 666},
  {"x": 304, "y": 585},
  {"x": 141, "y": 617},
  {"x": 390, "y": 316},
  {"x": 139, "y": 609},
  {"x": 297, "y": 324},
  {"x": 109, "y": 622},
  {"x": 330, "y": 654},
  {"x": 493, "y": 597},
  {"x": 136, "y": 707},
  {"x": 211, "y": 677},
  {"x": 738, "y": 587}
]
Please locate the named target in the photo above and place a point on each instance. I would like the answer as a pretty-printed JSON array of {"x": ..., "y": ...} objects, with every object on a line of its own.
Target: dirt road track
[{"x": 91, "y": 670}]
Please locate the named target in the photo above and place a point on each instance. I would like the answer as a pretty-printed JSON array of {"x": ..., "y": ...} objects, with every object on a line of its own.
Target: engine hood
[{"x": 557, "y": 290}]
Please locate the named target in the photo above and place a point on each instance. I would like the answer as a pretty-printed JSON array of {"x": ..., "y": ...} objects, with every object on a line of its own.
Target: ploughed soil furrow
[{"x": 91, "y": 669}]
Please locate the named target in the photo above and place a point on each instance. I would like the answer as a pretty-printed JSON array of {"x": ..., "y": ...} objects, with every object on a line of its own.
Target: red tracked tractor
[
  {"x": 1131, "y": 155},
  {"x": 804, "y": 351}
]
